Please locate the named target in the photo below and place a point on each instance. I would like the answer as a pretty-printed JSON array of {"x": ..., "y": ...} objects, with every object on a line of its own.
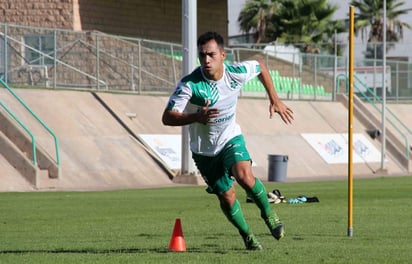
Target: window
[{"x": 36, "y": 43}]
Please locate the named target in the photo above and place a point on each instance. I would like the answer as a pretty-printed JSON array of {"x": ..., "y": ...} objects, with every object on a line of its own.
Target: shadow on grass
[{"x": 210, "y": 249}]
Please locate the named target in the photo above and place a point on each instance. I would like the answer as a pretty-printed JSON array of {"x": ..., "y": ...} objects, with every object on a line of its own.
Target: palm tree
[
  {"x": 255, "y": 16},
  {"x": 370, "y": 15},
  {"x": 308, "y": 22}
]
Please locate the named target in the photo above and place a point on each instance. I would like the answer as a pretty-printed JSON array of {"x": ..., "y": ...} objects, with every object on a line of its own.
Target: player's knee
[
  {"x": 228, "y": 198},
  {"x": 244, "y": 176}
]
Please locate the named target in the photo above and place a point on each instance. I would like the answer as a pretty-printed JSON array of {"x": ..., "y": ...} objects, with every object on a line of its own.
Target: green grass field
[{"x": 135, "y": 226}]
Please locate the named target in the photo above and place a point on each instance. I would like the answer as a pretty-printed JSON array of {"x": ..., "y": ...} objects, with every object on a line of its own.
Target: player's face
[{"x": 211, "y": 58}]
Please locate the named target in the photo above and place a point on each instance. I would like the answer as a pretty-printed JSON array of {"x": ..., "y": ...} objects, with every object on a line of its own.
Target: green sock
[
  {"x": 259, "y": 195},
  {"x": 235, "y": 216}
]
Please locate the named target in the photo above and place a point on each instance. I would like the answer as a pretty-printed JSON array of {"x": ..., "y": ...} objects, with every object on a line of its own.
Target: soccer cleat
[
  {"x": 249, "y": 199},
  {"x": 271, "y": 199},
  {"x": 251, "y": 242},
  {"x": 276, "y": 227},
  {"x": 279, "y": 231}
]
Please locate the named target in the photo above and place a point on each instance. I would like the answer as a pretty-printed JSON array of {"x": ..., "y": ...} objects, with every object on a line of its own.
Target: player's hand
[
  {"x": 283, "y": 110},
  {"x": 206, "y": 115}
]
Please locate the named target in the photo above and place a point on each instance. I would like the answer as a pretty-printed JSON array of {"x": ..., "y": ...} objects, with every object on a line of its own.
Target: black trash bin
[{"x": 278, "y": 165}]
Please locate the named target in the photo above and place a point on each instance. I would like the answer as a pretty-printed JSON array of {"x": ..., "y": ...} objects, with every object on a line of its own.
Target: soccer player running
[{"x": 206, "y": 100}]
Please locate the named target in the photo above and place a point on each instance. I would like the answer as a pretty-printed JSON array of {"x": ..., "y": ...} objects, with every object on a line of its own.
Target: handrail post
[
  {"x": 140, "y": 66},
  {"x": 132, "y": 70},
  {"x": 97, "y": 62},
  {"x": 5, "y": 53},
  {"x": 55, "y": 60}
]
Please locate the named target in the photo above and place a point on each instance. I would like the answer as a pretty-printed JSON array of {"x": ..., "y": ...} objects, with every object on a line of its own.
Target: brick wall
[
  {"x": 149, "y": 19},
  {"x": 212, "y": 16},
  {"x": 41, "y": 13},
  {"x": 156, "y": 19}
]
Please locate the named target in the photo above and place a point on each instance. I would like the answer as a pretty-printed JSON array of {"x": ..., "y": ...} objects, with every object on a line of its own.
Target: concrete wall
[
  {"x": 98, "y": 153},
  {"x": 95, "y": 151}
]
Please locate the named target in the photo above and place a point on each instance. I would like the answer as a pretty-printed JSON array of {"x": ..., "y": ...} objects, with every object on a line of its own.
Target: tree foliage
[
  {"x": 303, "y": 23},
  {"x": 308, "y": 22},
  {"x": 369, "y": 16},
  {"x": 255, "y": 16}
]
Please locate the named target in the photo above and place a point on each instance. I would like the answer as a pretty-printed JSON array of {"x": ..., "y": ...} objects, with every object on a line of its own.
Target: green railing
[
  {"x": 33, "y": 140},
  {"x": 371, "y": 101},
  {"x": 56, "y": 143}
]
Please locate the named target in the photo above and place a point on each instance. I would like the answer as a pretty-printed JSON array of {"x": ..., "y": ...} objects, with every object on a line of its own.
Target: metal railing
[
  {"x": 31, "y": 66},
  {"x": 33, "y": 140},
  {"x": 393, "y": 120},
  {"x": 56, "y": 142},
  {"x": 369, "y": 96},
  {"x": 94, "y": 60}
]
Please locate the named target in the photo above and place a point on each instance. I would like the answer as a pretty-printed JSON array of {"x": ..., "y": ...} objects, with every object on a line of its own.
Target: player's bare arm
[
  {"x": 276, "y": 105},
  {"x": 204, "y": 115}
]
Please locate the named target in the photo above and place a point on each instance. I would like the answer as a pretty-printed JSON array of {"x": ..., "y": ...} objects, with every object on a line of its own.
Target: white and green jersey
[{"x": 192, "y": 93}]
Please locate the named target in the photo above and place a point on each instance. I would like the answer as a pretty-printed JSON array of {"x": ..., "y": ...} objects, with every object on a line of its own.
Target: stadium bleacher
[{"x": 285, "y": 85}]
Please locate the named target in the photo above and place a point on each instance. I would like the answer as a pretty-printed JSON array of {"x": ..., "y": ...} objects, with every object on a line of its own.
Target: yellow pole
[{"x": 350, "y": 122}]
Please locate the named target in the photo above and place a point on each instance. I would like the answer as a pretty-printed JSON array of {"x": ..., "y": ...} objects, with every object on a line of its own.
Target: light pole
[
  {"x": 383, "y": 118},
  {"x": 189, "y": 50}
]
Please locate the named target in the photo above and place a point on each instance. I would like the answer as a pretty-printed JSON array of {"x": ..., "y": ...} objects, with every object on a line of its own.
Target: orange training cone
[{"x": 177, "y": 243}]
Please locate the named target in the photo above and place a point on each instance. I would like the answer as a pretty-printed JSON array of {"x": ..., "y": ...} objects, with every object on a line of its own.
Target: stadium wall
[{"x": 157, "y": 20}]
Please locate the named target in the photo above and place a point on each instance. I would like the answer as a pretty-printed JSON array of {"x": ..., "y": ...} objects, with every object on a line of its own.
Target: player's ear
[{"x": 223, "y": 54}]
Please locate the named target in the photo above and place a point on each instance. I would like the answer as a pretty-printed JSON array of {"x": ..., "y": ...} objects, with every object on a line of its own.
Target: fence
[{"x": 63, "y": 59}]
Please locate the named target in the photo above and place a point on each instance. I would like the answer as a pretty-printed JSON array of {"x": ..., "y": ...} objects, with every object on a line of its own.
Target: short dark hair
[{"x": 208, "y": 36}]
